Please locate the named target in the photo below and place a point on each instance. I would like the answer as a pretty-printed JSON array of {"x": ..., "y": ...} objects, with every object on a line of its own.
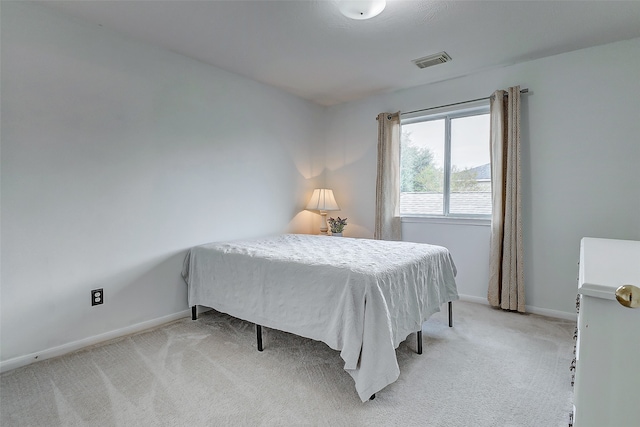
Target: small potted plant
[{"x": 337, "y": 225}]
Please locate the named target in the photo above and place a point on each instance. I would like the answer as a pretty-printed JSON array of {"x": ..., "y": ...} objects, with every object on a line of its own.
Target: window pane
[
  {"x": 470, "y": 166},
  {"x": 422, "y": 168}
]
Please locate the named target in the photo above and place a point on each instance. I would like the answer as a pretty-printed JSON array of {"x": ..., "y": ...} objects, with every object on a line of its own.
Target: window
[{"x": 445, "y": 167}]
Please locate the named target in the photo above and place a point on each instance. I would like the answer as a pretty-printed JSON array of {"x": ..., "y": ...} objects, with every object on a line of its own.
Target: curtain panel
[
  {"x": 387, "y": 225},
  {"x": 506, "y": 274}
]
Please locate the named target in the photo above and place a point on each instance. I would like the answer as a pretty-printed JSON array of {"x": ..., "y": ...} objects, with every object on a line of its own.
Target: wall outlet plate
[{"x": 97, "y": 296}]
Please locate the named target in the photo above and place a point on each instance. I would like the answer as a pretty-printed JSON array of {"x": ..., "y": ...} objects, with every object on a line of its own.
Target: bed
[{"x": 361, "y": 297}]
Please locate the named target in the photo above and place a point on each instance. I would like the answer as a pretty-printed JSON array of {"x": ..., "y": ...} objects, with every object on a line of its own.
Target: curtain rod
[{"x": 457, "y": 103}]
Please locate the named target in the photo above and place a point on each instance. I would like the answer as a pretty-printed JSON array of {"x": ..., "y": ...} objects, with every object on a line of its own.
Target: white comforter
[{"x": 361, "y": 297}]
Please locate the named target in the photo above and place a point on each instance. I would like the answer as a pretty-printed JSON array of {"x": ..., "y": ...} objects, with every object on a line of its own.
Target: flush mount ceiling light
[{"x": 361, "y": 9}]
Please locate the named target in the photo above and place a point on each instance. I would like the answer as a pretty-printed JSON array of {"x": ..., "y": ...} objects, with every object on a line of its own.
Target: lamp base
[{"x": 323, "y": 223}]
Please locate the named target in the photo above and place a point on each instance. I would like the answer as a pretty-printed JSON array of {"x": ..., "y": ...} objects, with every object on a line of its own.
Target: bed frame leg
[
  {"x": 419, "y": 335},
  {"x": 450, "y": 314},
  {"x": 259, "y": 336},
  {"x": 194, "y": 313}
]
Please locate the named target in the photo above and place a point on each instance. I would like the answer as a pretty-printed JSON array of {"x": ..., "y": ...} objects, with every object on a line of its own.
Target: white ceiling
[{"x": 308, "y": 48}]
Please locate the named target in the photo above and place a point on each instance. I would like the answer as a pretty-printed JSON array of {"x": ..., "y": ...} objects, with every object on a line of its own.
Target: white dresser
[{"x": 607, "y": 377}]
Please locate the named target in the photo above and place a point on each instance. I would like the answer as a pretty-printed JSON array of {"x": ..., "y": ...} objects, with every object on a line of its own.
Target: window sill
[{"x": 449, "y": 220}]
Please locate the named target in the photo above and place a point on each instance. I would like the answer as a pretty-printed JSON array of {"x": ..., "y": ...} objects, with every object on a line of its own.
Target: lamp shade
[
  {"x": 361, "y": 9},
  {"x": 322, "y": 200}
]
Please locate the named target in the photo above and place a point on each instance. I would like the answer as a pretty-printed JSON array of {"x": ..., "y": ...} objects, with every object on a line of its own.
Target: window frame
[{"x": 447, "y": 113}]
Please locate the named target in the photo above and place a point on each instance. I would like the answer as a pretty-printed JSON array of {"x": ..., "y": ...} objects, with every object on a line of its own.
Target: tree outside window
[{"x": 444, "y": 165}]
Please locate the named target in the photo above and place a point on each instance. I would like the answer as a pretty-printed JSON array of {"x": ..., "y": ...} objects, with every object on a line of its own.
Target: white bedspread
[{"x": 361, "y": 297}]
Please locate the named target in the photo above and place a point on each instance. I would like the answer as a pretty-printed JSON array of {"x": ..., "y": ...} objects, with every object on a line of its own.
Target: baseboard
[
  {"x": 28, "y": 359},
  {"x": 552, "y": 313},
  {"x": 530, "y": 309},
  {"x": 471, "y": 298},
  {"x": 60, "y": 350}
]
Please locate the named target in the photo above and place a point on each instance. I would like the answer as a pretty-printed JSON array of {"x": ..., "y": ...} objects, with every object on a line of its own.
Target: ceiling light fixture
[{"x": 361, "y": 9}]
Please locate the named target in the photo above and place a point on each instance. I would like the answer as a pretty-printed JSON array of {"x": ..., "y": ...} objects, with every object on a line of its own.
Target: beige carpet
[{"x": 492, "y": 369}]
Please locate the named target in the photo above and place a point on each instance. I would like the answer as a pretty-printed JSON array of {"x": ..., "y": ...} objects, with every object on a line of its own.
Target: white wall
[
  {"x": 580, "y": 154},
  {"x": 116, "y": 158}
]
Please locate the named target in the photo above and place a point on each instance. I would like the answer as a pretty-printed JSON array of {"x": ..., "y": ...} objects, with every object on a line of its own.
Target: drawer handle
[{"x": 629, "y": 296}]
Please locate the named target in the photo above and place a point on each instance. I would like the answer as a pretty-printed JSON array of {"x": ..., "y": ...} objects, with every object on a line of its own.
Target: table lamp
[{"x": 322, "y": 200}]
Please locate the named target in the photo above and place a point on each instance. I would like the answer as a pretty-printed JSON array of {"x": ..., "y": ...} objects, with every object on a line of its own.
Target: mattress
[{"x": 361, "y": 297}]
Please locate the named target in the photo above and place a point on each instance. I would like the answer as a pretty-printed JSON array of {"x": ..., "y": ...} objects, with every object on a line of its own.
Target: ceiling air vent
[{"x": 435, "y": 59}]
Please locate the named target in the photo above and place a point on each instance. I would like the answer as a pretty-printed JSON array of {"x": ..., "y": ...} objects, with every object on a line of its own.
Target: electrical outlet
[{"x": 97, "y": 296}]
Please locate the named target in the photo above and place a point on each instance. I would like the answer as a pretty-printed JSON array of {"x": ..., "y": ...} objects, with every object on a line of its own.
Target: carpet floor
[{"x": 492, "y": 368}]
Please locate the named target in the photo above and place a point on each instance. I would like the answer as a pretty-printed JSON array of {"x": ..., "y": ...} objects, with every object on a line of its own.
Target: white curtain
[
  {"x": 388, "y": 225},
  {"x": 506, "y": 275}
]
